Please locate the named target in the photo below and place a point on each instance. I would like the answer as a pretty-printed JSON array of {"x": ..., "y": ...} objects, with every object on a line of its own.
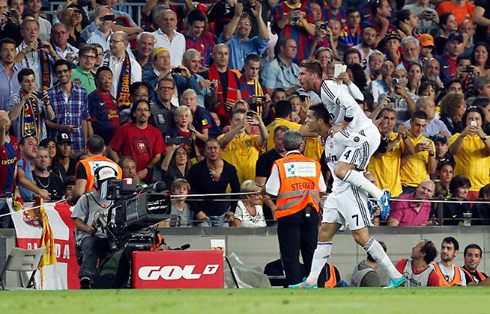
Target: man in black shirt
[
  {"x": 264, "y": 167},
  {"x": 45, "y": 179},
  {"x": 472, "y": 259},
  {"x": 64, "y": 165},
  {"x": 209, "y": 176}
]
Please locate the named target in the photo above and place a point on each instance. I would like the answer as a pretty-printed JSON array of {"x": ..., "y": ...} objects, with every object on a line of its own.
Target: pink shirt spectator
[{"x": 406, "y": 213}]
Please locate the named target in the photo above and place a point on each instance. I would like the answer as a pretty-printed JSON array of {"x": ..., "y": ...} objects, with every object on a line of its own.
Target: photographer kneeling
[{"x": 90, "y": 237}]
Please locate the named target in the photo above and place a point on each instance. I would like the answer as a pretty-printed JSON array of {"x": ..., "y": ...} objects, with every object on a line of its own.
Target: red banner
[{"x": 178, "y": 269}]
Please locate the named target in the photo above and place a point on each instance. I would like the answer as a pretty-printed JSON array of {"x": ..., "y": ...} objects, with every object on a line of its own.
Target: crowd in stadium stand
[{"x": 199, "y": 95}]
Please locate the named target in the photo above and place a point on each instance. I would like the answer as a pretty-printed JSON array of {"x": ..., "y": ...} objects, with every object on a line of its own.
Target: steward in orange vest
[{"x": 298, "y": 184}]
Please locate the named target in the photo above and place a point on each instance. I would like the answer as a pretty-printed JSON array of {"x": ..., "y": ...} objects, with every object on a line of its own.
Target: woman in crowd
[
  {"x": 376, "y": 60},
  {"x": 453, "y": 212},
  {"x": 471, "y": 150},
  {"x": 479, "y": 58},
  {"x": 50, "y": 144},
  {"x": 75, "y": 19},
  {"x": 444, "y": 176},
  {"x": 407, "y": 22},
  {"x": 447, "y": 25},
  {"x": 358, "y": 76},
  {"x": 249, "y": 212},
  {"x": 414, "y": 77},
  {"x": 429, "y": 89},
  {"x": 453, "y": 107},
  {"x": 176, "y": 164}
]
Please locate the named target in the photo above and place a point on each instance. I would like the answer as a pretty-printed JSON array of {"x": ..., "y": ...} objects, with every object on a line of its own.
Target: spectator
[
  {"x": 31, "y": 55},
  {"x": 391, "y": 46},
  {"x": 427, "y": 46},
  {"x": 467, "y": 29},
  {"x": 444, "y": 173},
  {"x": 167, "y": 36},
  {"x": 386, "y": 163},
  {"x": 102, "y": 107},
  {"x": 447, "y": 26},
  {"x": 480, "y": 58},
  {"x": 27, "y": 112},
  {"x": 418, "y": 167},
  {"x": 407, "y": 22},
  {"x": 403, "y": 101},
  {"x": 482, "y": 86},
  {"x": 432, "y": 72},
  {"x": 291, "y": 19},
  {"x": 284, "y": 117},
  {"x": 124, "y": 22},
  {"x": 471, "y": 150},
  {"x": 408, "y": 213},
  {"x": 192, "y": 61},
  {"x": 453, "y": 107},
  {"x": 140, "y": 140},
  {"x": 146, "y": 43},
  {"x": 482, "y": 211},
  {"x": 240, "y": 149},
  {"x": 197, "y": 37},
  {"x": 179, "y": 207},
  {"x": 334, "y": 27},
  {"x": 352, "y": 56},
  {"x": 160, "y": 68},
  {"x": 481, "y": 16},
  {"x": 227, "y": 90},
  {"x": 411, "y": 52},
  {"x": 325, "y": 56},
  {"x": 368, "y": 37},
  {"x": 182, "y": 133},
  {"x": 50, "y": 144},
  {"x": 365, "y": 274},
  {"x": 124, "y": 67},
  {"x": 209, "y": 176},
  {"x": 162, "y": 110},
  {"x": 448, "y": 60},
  {"x": 11, "y": 21},
  {"x": 418, "y": 268},
  {"x": 428, "y": 17},
  {"x": 69, "y": 116},
  {"x": 380, "y": 19},
  {"x": 332, "y": 9},
  {"x": 453, "y": 212},
  {"x": 375, "y": 63},
  {"x": 59, "y": 41},
  {"x": 63, "y": 164},
  {"x": 434, "y": 126},
  {"x": 85, "y": 169},
  {"x": 380, "y": 86},
  {"x": 316, "y": 9},
  {"x": 428, "y": 89},
  {"x": 484, "y": 103},
  {"x": 9, "y": 69},
  {"x": 99, "y": 31},
  {"x": 462, "y": 9},
  {"x": 282, "y": 72},
  {"x": 128, "y": 167},
  {"x": 249, "y": 212},
  {"x": 176, "y": 164},
  {"x": 221, "y": 13},
  {"x": 33, "y": 9},
  {"x": 75, "y": 19},
  {"x": 252, "y": 91},
  {"x": 68, "y": 188},
  {"x": 25, "y": 179},
  {"x": 442, "y": 148},
  {"x": 240, "y": 46},
  {"x": 414, "y": 77},
  {"x": 351, "y": 34},
  {"x": 82, "y": 75},
  {"x": 449, "y": 274},
  {"x": 43, "y": 178},
  {"x": 472, "y": 259},
  {"x": 9, "y": 155}
]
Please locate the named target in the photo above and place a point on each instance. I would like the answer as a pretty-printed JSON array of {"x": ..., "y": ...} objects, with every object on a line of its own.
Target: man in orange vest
[
  {"x": 346, "y": 207},
  {"x": 472, "y": 259},
  {"x": 298, "y": 183},
  {"x": 449, "y": 274},
  {"x": 85, "y": 169}
]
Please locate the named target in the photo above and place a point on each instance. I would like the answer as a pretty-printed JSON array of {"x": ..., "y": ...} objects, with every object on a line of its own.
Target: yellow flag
[{"x": 47, "y": 239}]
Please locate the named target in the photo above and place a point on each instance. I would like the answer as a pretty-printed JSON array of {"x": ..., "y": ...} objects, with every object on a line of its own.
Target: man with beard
[
  {"x": 45, "y": 179},
  {"x": 449, "y": 274},
  {"x": 9, "y": 69},
  {"x": 410, "y": 54},
  {"x": 418, "y": 269},
  {"x": 472, "y": 259},
  {"x": 368, "y": 36}
]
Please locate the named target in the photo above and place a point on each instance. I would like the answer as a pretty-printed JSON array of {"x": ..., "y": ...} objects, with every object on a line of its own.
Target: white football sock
[
  {"x": 356, "y": 178},
  {"x": 322, "y": 253},
  {"x": 379, "y": 255}
]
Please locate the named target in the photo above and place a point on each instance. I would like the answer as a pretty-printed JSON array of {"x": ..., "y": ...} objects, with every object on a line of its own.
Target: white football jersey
[{"x": 333, "y": 151}]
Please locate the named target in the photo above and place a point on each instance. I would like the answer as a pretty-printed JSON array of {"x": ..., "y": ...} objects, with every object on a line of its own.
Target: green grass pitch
[{"x": 474, "y": 300}]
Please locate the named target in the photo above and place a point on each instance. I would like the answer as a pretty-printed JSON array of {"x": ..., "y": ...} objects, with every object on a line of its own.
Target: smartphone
[
  {"x": 109, "y": 17},
  {"x": 176, "y": 70},
  {"x": 473, "y": 123},
  {"x": 339, "y": 68},
  {"x": 250, "y": 115}
]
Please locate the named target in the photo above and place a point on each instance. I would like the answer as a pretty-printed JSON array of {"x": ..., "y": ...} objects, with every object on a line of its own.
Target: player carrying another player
[
  {"x": 346, "y": 207},
  {"x": 347, "y": 118}
]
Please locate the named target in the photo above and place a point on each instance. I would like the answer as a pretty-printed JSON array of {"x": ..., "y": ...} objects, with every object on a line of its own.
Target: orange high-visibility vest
[
  {"x": 482, "y": 277},
  {"x": 332, "y": 280},
  {"x": 457, "y": 276},
  {"x": 300, "y": 178},
  {"x": 93, "y": 162}
]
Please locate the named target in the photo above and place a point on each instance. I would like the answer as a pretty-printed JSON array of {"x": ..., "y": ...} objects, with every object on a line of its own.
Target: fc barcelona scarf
[
  {"x": 123, "y": 95},
  {"x": 45, "y": 70},
  {"x": 30, "y": 125}
]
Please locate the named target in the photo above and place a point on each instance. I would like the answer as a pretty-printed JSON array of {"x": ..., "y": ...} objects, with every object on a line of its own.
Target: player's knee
[{"x": 341, "y": 171}]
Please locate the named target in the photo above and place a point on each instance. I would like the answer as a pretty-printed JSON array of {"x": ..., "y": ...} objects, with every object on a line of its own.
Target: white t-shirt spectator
[
  {"x": 247, "y": 220},
  {"x": 176, "y": 46}
]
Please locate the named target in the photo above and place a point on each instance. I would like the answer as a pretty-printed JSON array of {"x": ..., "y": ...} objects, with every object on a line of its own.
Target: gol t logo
[{"x": 174, "y": 272}]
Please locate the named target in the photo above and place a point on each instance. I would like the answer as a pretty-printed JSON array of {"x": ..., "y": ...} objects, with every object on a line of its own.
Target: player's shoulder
[{"x": 329, "y": 88}]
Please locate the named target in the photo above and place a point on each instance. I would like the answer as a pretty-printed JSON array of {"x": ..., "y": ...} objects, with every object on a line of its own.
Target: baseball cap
[
  {"x": 440, "y": 138},
  {"x": 426, "y": 40},
  {"x": 392, "y": 35},
  {"x": 455, "y": 36},
  {"x": 63, "y": 138}
]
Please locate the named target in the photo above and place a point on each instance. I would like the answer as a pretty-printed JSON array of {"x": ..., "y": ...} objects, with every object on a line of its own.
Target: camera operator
[
  {"x": 90, "y": 236},
  {"x": 10, "y": 21},
  {"x": 402, "y": 101},
  {"x": 466, "y": 73}
]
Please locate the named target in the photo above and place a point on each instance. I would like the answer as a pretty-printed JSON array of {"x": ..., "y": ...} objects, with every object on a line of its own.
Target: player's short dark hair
[
  {"x": 68, "y": 181},
  {"x": 320, "y": 112},
  {"x": 430, "y": 251},
  {"x": 23, "y": 73},
  {"x": 61, "y": 62},
  {"x": 370, "y": 257},
  {"x": 453, "y": 241},
  {"x": 196, "y": 15},
  {"x": 283, "y": 108},
  {"x": 136, "y": 85},
  {"x": 100, "y": 70},
  {"x": 419, "y": 114},
  {"x": 252, "y": 57},
  {"x": 95, "y": 144},
  {"x": 472, "y": 246},
  {"x": 313, "y": 67},
  {"x": 7, "y": 40}
]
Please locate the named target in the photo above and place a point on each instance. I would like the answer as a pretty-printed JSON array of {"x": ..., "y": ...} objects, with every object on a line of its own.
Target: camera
[
  {"x": 324, "y": 26},
  {"x": 178, "y": 140},
  {"x": 40, "y": 95},
  {"x": 176, "y": 71},
  {"x": 399, "y": 81},
  {"x": 40, "y": 44},
  {"x": 469, "y": 69},
  {"x": 109, "y": 17}
]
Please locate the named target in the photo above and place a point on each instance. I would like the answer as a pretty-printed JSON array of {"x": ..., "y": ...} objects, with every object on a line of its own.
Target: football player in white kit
[
  {"x": 347, "y": 118},
  {"x": 346, "y": 207}
]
